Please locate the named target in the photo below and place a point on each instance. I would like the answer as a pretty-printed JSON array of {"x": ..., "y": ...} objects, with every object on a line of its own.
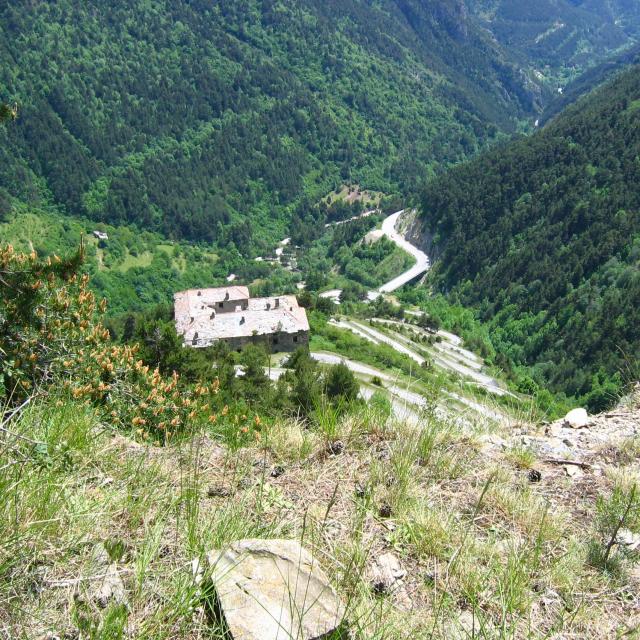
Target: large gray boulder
[{"x": 273, "y": 590}]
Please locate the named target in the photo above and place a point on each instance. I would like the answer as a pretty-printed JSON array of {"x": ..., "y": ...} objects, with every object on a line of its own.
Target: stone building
[{"x": 206, "y": 316}]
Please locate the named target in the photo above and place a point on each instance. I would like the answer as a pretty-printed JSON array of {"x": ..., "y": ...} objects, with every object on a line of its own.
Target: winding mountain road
[
  {"x": 422, "y": 265},
  {"x": 407, "y": 405}
]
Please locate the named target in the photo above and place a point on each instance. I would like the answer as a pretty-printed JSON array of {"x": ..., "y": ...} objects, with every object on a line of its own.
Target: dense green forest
[
  {"x": 193, "y": 118},
  {"x": 542, "y": 236},
  {"x": 560, "y": 38}
]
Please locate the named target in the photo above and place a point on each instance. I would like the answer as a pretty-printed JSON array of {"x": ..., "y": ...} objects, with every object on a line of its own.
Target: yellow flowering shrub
[{"x": 50, "y": 338}]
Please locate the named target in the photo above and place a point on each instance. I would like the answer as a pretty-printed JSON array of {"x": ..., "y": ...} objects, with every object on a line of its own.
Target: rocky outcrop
[
  {"x": 578, "y": 439},
  {"x": 413, "y": 229}
]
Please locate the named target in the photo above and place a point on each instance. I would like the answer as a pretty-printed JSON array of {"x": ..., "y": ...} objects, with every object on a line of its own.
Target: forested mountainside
[
  {"x": 590, "y": 80},
  {"x": 560, "y": 36},
  {"x": 543, "y": 237},
  {"x": 191, "y": 118}
]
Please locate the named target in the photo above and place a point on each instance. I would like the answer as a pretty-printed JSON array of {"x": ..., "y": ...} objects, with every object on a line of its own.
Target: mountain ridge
[{"x": 542, "y": 237}]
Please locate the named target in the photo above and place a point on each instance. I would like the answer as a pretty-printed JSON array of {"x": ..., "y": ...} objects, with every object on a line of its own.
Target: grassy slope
[
  {"x": 133, "y": 270},
  {"x": 483, "y": 547}
]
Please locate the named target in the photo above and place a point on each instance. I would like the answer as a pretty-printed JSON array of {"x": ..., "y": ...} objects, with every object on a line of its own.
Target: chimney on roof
[
  {"x": 226, "y": 297},
  {"x": 212, "y": 316},
  {"x": 199, "y": 293},
  {"x": 242, "y": 320},
  {"x": 195, "y": 338},
  {"x": 268, "y": 306},
  {"x": 277, "y": 303}
]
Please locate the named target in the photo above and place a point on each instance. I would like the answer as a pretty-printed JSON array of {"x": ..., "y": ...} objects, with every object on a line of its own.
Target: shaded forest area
[{"x": 542, "y": 236}]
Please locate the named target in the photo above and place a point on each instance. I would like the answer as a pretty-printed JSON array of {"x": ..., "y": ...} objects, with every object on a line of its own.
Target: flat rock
[
  {"x": 386, "y": 578},
  {"x": 273, "y": 590},
  {"x": 492, "y": 441},
  {"x": 577, "y": 419},
  {"x": 629, "y": 539},
  {"x": 386, "y": 572},
  {"x": 550, "y": 447},
  {"x": 573, "y": 471}
]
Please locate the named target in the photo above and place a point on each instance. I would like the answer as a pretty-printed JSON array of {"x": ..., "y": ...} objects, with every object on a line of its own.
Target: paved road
[
  {"x": 364, "y": 214},
  {"x": 356, "y": 367},
  {"x": 449, "y": 345},
  {"x": 377, "y": 337},
  {"x": 445, "y": 360},
  {"x": 422, "y": 265}
]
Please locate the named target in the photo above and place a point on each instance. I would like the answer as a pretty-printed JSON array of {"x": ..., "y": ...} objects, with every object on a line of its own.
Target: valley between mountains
[{"x": 320, "y": 320}]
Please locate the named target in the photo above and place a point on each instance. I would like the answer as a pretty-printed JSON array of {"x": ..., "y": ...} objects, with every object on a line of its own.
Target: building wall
[{"x": 277, "y": 342}]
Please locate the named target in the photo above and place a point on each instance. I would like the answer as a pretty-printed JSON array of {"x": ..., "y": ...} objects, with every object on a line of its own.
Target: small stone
[
  {"x": 534, "y": 475},
  {"x": 553, "y": 448},
  {"x": 386, "y": 572},
  {"x": 100, "y": 557},
  {"x": 468, "y": 623},
  {"x": 577, "y": 419},
  {"x": 629, "y": 539},
  {"x": 491, "y": 441},
  {"x": 554, "y": 430},
  {"x": 386, "y": 579},
  {"x": 110, "y": 589},
  {"x": 573, "y": 471}
]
